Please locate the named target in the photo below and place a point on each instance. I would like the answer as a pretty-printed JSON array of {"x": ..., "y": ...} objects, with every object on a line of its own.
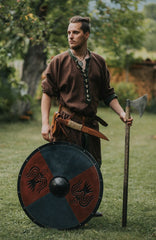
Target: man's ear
[{"x": 87, "y": 35}]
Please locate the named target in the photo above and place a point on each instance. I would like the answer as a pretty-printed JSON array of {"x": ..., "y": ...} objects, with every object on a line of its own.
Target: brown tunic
[{"x": 80, "y": 91}]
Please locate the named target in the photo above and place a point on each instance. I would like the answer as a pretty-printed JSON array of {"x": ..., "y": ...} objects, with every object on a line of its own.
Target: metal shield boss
[{"x": 60, "y": 186}]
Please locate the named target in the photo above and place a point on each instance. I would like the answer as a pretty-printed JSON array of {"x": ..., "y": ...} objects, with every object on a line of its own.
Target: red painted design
[
  {"x": 84, "y": 193},
  {"x": 35, "y": 179}
]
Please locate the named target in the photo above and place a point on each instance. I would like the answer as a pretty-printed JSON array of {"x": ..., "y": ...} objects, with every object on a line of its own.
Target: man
[{"x": 78, "y": 78}]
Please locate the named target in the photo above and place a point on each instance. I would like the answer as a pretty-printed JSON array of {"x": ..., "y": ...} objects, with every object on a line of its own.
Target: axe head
[{"x": 139, "y": 104}]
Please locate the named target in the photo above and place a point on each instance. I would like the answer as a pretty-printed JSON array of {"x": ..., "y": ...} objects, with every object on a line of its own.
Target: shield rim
[{"x": 94, "y": 163}]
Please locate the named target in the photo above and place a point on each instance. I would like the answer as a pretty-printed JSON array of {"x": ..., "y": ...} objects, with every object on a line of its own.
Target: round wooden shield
[{"x": 60, "y": 186}]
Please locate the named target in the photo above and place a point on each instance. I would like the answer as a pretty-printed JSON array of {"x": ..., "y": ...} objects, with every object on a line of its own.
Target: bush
[
  {"x": 10, "y": 90},
  {"x": 7, "y": 95},
  {"x": 125, "y": 91},
  {"x": 151, "y": 107}
]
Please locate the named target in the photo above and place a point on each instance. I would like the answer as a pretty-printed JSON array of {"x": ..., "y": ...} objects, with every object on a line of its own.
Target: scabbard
[{"x": 82, "y": 128}]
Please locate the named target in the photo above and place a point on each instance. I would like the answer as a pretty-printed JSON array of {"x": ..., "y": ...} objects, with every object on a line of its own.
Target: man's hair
[{"x": 84, "y": 20}]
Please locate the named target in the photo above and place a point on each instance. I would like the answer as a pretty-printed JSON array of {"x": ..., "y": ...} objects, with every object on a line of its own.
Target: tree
[
  {"x": 150, "y": 26},
  {"x": 150, "y": 11},
  {"x": 122, "y": 30}
]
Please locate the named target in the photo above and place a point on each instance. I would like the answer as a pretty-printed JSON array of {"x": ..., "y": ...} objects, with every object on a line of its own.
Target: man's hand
[
  {"x": 115, "y": 105},
  {"x": 127, "y": 121},
  {"x": 45, "y": 109},
  {"x": 47, "y": 132}
]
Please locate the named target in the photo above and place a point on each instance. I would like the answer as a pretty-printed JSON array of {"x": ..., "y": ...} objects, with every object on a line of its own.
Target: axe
[{"x": 139, "y": 104}]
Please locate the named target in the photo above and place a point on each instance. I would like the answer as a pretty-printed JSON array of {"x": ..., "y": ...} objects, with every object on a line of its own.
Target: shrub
[
  {"x": 10, "y": 90},
  {"x": 125, "y": 91},
  {"x": 151, "y": 107},
  {"x": 7, "y": 95}
]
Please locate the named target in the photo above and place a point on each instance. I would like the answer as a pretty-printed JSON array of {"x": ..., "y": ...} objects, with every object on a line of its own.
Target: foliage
[
  {"x": 10, "y": 89},
  {"x": 150, "y": 27},
  {"x": 151, "y": 107},
  {"x": 119, "y": 29},
  {"x": 149, "y": 42},
  {"x": 125, "y": 91},
  {"x": 150, "y": 11},
  {"x": 38, "y": 21}
]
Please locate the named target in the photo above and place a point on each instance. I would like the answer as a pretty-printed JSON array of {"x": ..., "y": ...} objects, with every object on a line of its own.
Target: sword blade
[{"x": 82, "y": 128}]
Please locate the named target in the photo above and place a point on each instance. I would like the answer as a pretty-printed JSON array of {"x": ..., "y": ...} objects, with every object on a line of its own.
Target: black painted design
[
  {"x": 82, "y": 192},
  {"x": 37, "y": 179}
]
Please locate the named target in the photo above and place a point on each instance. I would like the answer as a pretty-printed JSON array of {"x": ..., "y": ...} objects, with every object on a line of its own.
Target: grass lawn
[{"x": 18, "y": 140}]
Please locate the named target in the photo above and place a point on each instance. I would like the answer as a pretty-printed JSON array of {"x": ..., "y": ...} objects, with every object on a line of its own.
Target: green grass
[{"x": 18, "y": 140}]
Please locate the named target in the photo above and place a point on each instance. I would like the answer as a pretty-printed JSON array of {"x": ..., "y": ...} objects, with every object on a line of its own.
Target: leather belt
[{"x": 82, "y": 117}]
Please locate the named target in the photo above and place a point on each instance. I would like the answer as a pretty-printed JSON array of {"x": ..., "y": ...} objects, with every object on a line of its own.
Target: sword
[{"x": 80, "y": 127}]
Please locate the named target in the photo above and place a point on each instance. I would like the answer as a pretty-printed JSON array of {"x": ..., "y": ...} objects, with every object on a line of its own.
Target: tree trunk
[{"x": 34, "y": 65}]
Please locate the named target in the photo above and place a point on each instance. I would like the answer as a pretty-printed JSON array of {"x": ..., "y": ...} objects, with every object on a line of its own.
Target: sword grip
[{"x": 74, "y": 125}]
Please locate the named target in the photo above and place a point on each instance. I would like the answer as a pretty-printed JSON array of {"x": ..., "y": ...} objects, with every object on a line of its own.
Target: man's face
[{"x": 76, "y": 37}]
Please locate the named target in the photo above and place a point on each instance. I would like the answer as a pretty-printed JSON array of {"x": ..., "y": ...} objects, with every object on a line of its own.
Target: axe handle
[{"x": 126, "y": 167}]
